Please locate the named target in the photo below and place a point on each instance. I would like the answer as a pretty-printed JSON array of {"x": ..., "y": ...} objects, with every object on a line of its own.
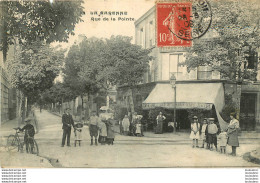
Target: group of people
[
  {"x": 209, "y": 134},
  {"x": 133, "y": 128},
  {"x": 99, "y": 129}
]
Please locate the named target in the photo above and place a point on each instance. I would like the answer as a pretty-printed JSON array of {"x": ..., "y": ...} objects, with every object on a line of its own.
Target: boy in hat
[
  {"x": 93, "y": 127},
  {"x": 203, "y": 132},
  {"x": 212, "y": 132},
  {"x": 29, "y": 133}
]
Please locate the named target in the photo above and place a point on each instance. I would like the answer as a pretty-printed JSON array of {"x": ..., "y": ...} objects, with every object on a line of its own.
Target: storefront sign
[{"x": 179, "y": 105}]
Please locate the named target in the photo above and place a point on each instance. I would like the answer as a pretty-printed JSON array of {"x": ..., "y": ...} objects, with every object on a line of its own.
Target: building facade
[{"x": 166, "y": 62}]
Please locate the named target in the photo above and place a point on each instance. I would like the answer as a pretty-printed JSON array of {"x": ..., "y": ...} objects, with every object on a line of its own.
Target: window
[
  {"x": 204, "y": 72},
  {"x": 170, "y": 65},
  {"x": 151, "y": 34},
  {"x": 174, "y": 65},
  {"x": 142, "y": 37},
  {"x": 252, "y": 60}
]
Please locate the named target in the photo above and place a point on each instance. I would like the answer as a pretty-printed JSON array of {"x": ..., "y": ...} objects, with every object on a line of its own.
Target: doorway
[{"x": 248, "y": 111}]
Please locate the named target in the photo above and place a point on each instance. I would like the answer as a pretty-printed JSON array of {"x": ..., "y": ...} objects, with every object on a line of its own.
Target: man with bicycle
[{"x": 29, "y": 134}]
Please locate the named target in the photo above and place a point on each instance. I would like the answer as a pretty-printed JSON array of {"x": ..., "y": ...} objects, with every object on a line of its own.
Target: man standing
[{"x": 67, "y": 122}]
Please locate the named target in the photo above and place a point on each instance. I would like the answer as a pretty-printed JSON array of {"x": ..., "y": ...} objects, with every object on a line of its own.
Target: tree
[
  {"x": 236, "y": 29},
  {"x": 114, "y": 61},
  {"x": 58, "y": 93},
  {"x": 236, "y": 32},
  {"x": 34, "y": 68},
  {"x": 96, "y": 64},
  {"x": 30, "y": 21}
]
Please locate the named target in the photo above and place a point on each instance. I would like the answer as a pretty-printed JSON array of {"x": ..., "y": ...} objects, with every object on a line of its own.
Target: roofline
[{"x": 145, "y": 15}]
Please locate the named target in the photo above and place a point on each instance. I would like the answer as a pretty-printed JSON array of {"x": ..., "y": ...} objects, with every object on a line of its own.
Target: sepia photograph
[{"x": 130, "y": 83}]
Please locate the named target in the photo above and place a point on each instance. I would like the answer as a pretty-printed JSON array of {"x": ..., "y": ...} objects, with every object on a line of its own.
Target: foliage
[
  {"x": 34, "y": 68},
  {"x": 30, "y": 21},
  {"x": 228, "y": 108},
  {"x": 235, "y": 32},
  {"x": 96, "y": 64},
  {"x": 119, "y": 112},
  {"x": 59, "y": 92}
]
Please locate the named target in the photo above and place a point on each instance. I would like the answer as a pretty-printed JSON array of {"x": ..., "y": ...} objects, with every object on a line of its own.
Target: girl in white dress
[{"x": 195, "y": 134}]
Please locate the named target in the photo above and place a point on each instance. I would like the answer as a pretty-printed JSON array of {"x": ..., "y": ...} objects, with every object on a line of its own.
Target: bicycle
[{"x": 14, "y": 142}]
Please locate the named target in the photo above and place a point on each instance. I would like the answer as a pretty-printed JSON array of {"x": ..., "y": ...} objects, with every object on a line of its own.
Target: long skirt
[
  {"x": 159, "y": 128},
  {"x": 233, "y": 139}
]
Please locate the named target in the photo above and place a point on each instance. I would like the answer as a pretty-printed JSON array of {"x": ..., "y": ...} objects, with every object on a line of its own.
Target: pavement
[{"x": 152, "y": 150}]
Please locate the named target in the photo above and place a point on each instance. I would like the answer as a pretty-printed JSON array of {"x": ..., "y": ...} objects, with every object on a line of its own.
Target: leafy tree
[
  {"x": 114, "y": 61},
  {"x": 30, "y": 21},
  {"x": 97, "y": 64},
  {"x": 236, "y": 32},
  {"x": 34, "y": 68}
]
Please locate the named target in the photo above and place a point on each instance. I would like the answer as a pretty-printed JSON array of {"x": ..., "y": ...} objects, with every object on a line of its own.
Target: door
[{"x": 248, "y": 111}]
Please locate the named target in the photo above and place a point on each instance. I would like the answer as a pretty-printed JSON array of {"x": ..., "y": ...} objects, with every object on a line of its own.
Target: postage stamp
[{"x": 179, "y": 23}]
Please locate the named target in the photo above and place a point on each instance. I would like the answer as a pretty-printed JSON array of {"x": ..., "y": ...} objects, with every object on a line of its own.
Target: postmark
[{"x": 179, "y": 23}]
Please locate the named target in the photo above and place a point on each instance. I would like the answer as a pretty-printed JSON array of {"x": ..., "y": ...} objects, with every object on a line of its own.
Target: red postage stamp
[{"x": 179, "y": 23}]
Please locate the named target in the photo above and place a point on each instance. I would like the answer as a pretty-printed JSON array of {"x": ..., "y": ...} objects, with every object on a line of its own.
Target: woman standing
[
  {"x": 110, "y": 132},
  {"x": 160, "y": 118},
  {"x": 125, "y": 125},
  {"x": 233, "y": 133}
]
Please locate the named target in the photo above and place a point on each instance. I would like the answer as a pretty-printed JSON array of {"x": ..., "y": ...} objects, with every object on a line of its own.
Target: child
[
  {"x": 212, "y": 133},
  {"x": 102, "y": 131},
  {"x": 203, "y": 130},
  {"x": 77, "y": 131},
  {"x": 138, "y": 129},
  {"x": 223, "y": 141},
  {"x": 29, "y": 132},
  {"x": 195, "y": 134}
]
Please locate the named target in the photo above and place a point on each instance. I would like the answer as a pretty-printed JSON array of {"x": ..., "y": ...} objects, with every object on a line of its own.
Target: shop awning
[{"x": 188, "y": 96}]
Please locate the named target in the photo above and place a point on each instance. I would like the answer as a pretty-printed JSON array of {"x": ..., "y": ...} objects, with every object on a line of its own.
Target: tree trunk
[
  {"x": 28, "y": 107},
  {"x": 20, "y": 109},
  {"x": 61, "y": 112},
  {"x": 82, "y": 108},
  {"x": 23, "y": 109}
]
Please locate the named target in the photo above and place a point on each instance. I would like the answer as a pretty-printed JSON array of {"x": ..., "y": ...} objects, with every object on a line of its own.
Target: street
[{"x": 160, "y": 150}]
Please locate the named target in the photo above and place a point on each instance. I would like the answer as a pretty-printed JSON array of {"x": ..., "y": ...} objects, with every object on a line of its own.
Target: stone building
[{"x": 202, "y": 88}]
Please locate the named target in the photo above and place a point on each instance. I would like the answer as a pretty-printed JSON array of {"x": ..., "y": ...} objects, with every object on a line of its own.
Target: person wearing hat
[
  {"x": 195, "y": 134},
  {"x": 203, "y": 132},
  {"x": 212, "y": 133},
  {"x": 67, "y": 122},
  {"x": 233, "y": 133},
  {"x": 29, "y": 132},
  {"x": 93, "y": 127}
]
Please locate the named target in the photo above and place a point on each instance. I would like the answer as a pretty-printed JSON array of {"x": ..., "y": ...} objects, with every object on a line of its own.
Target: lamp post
[{"x": 173, "y": 83}]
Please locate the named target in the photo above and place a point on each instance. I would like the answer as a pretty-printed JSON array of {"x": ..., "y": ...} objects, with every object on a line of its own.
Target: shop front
[{"x": 200, "y": 97}]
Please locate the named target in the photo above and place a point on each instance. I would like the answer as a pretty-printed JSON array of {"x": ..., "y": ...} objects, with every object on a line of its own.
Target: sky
[{"x": 104, "y": 29}]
